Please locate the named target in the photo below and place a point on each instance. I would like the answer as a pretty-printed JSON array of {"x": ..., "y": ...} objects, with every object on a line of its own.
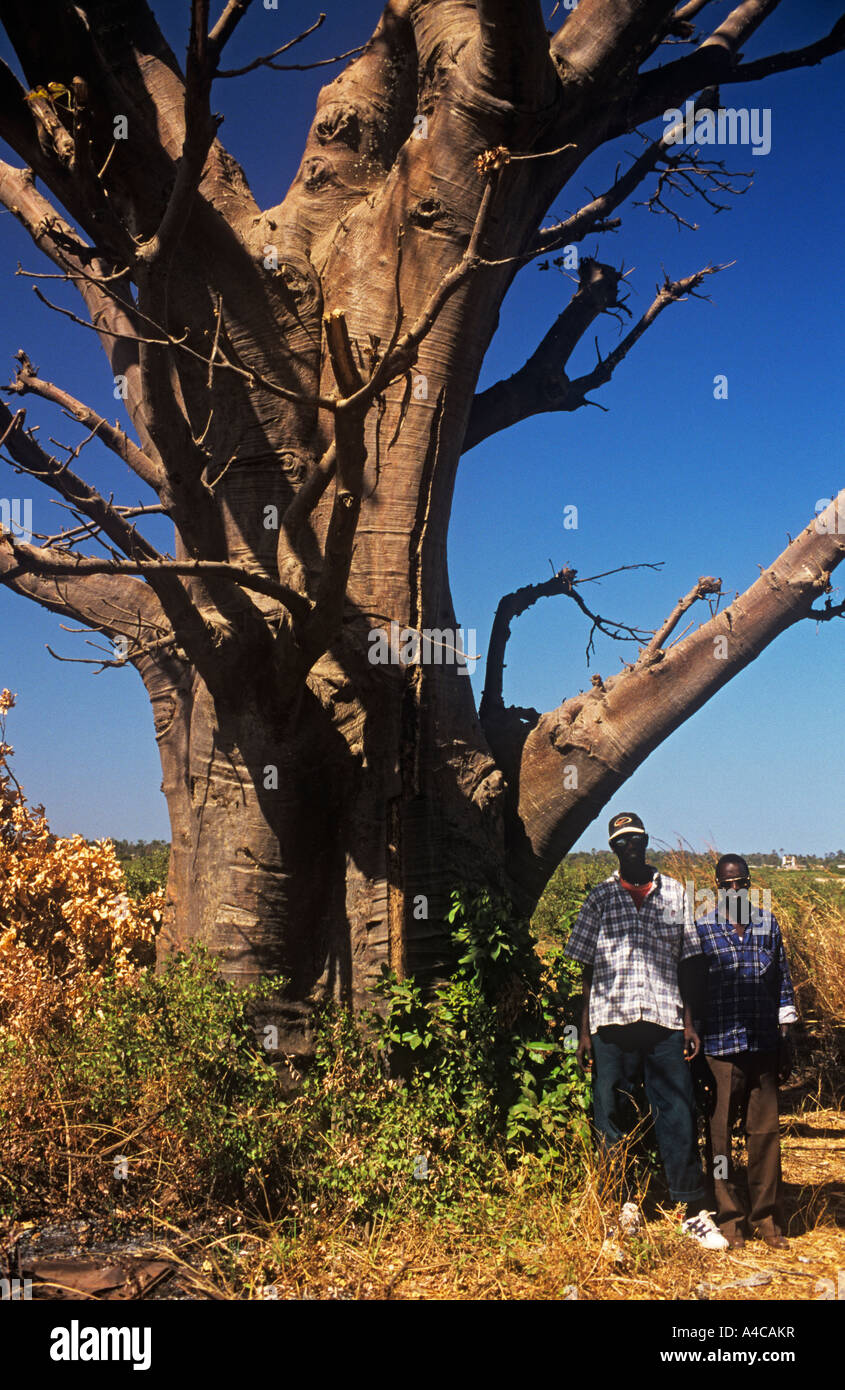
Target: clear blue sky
[{"x": 669, "y": 473}]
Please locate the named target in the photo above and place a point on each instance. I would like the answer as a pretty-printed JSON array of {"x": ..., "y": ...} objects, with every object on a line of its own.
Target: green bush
[
  {"x": 145, "y": 873},
  {"x": 418, "y": 1105}
]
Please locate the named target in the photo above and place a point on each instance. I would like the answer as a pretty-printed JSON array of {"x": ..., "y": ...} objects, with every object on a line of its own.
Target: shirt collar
[
  {"x": 726, "y": 928},
  {"x": 616, "y": 877}
]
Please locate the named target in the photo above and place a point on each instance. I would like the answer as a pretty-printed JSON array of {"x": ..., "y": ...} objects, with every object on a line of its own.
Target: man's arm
[
  {"x": 692, "y": 982},
  {"x": 787, "y": 1013},
  {"x": 585, "y": 1051},
  {"x": 692, "y": 977},
  {"x": 581, "y": 946}
]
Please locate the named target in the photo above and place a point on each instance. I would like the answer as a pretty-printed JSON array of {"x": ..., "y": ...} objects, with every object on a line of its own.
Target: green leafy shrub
[
  {"x": 146, "y": 873},
  {"x": 424, "y": 1104}
]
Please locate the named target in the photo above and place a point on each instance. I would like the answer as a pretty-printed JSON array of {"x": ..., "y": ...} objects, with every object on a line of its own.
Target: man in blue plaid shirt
[
  {"x": 750, "y": 1006},
  {"x": 632, "y": 935}
]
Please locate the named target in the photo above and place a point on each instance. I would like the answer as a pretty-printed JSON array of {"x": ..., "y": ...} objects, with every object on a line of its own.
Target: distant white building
[{"x": 788, "y": 861}]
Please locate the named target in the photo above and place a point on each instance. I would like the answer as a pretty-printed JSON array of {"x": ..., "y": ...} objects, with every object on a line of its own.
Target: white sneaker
[
  {"x": 630, "y": 1219},
  {"x": 703, "y": 1229}
]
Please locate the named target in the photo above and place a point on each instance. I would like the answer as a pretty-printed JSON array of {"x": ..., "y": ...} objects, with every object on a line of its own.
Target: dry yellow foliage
[{"x": 65, "y": 915}]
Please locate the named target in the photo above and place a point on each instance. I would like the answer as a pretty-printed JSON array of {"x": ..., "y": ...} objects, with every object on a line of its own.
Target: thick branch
[
  {"x": 807, "y": 57},
  {"x": 351, "y": 456},
  {"x": 537, "y": 385},
  {"x": 690, "y": 10},
  {"x": 226, "y": 25},
  {"x": 512, "y": 59},
  {"x": 601, "y": 737},
  {"x": 715, "y": 63},
  {"x": 200, "y": 129},
  {"x": 589, "y": 46}
]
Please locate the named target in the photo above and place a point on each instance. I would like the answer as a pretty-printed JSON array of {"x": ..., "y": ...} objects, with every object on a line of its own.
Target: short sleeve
[{"x": 581, "y": 945}]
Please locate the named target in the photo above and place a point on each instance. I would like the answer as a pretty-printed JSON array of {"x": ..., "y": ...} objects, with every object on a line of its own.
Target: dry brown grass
[{"x": 533, "y": 1242}]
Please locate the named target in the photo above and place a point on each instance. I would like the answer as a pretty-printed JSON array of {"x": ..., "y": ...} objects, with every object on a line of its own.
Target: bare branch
[
  {"x": 89, "y": 529},
  {"x": 690, "y": 10},
  {"x": 32, "y": 459},
  {"x": 111, "y": 316},
  {"x": 606, "y": 733},
  {"x": 541, "y": 384},
  {"x": 109, "y": 603},
  {"x": 294, "y": 67},
  {"x": 806, "y": 57},
  {"x": 595, "y": 216},
  {"x": 46, "y": 564},
  {"x": 27, "y": 381},
  {"x": 254, "y": 379},
  {"x": 133, "y": 649},
  {"x": 715, "y": 62},
  {"x": 831, "y": 610},
  {"x": 738, "y": 27},
  {"x": 267, "y": 61},
  {"x": 346, "y": 372},
  {"x": 538, "y": 384},
  {"x": 670, "y": 292},
  {"x": 226, "y": 26},
  {"x": 692, "y": 176},
  {"x": 706, "y": 585},
  {"x": 512, "y": 605}
]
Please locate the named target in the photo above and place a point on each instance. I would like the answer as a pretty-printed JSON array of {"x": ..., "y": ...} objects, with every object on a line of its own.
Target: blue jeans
[{"x": 622, "y": 1054}]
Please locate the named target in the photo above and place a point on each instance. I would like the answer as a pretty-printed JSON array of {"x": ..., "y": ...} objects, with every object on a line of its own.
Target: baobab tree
[{"x": 301, "y": 385}]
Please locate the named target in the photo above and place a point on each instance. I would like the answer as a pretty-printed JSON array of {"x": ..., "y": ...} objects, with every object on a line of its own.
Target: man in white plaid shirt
[{"x": 631, "y": 936}]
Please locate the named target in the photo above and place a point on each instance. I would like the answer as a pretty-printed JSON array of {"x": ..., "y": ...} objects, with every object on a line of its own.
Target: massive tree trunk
[{"x": 301, "y": 381}]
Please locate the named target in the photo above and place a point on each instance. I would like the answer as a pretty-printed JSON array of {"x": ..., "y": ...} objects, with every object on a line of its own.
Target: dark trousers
[
  {"x": 622, "y": 1055},
  {"x": 746, "y": 1086}
]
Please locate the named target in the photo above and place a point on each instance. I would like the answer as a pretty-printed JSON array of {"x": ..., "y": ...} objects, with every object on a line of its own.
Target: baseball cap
[{"x": 625, "y": 823}]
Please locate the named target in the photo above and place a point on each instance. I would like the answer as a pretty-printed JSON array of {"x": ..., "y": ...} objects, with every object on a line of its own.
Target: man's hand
[
  {"x": 584, "y": 1052},
  {"x": 692, "y": 1042},
  {"x": 786, "y": 1059}
]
